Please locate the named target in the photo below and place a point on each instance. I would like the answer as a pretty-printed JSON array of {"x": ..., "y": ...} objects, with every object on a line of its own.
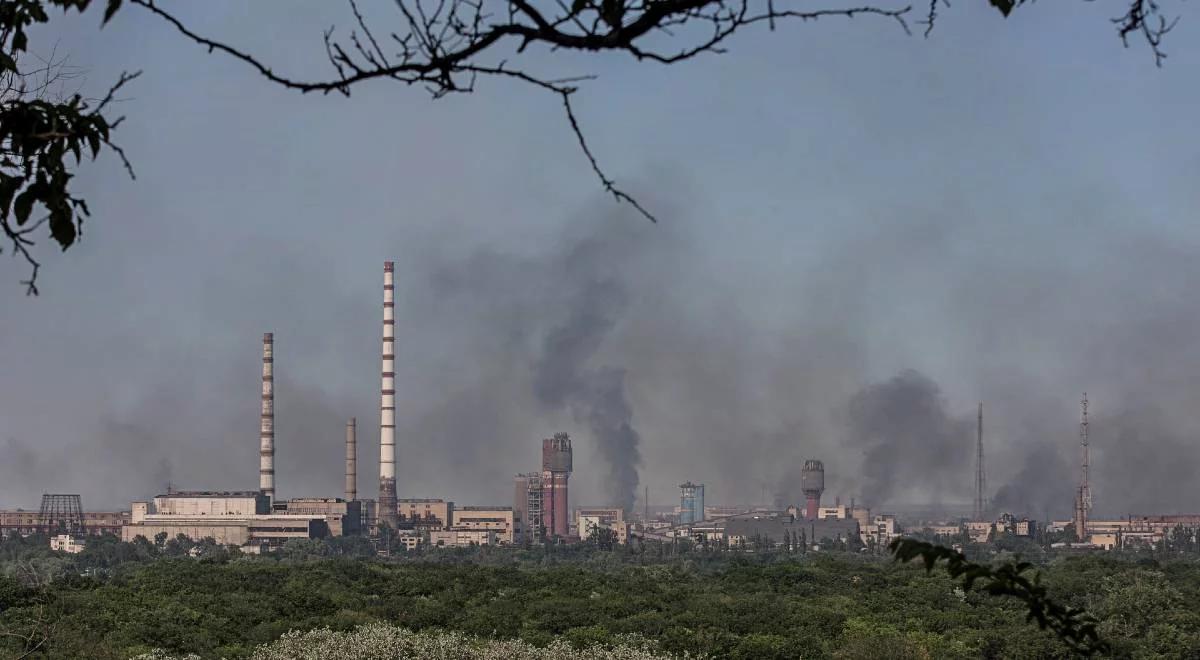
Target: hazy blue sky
[{"x": 1006, "y": 207}]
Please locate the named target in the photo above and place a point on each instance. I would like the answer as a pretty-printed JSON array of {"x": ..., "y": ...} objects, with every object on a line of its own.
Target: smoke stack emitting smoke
[
  {"x": 387, "y": 406},
  {"x": 266, "y": 451}
]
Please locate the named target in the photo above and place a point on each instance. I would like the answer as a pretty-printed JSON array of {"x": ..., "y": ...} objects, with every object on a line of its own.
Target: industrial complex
[{"x": 541, "y": 510}]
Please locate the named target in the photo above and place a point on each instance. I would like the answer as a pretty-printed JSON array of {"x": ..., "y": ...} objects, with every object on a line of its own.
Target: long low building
[
  {"x": 23, "y": 523},
  {"x": 242, "y": 518},
  {"x": 247, "y": 531},
  {"x": 776, "y": 531}
]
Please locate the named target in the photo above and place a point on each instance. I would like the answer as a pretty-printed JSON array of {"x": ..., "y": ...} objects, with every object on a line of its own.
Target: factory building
[
  {"x": 462, "y": 538},
  {"x": 527, "y": 504},
  {"x": 19, "y": 522},
  {"x": 691, "y": 503},
  {"x": 67, "y": 543},
  {"x": 424, "y": 515},
  {"x": 589, "y": 518},
  {"x": 500, "y": 520},
  {"x": 207, "y": 503},
  {"x": 242, "y": 519},
  {"x": 341, "y": 517},
  {"x": 777, "y": 531},
  {"x": 556, "y": 470}
]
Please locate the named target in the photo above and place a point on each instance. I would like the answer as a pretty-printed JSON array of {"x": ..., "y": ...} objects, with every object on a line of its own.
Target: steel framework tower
[
  {"x": 1083, "y": 496},
  {"x": 980, "y": 475},
  {"x": 61, "y": 514}
]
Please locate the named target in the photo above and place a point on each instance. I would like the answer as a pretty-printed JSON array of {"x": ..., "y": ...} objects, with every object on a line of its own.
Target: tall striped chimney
[
  {"x": 351, "y": 461},
  {"x": 387, "y": 407},
  {"x": 266, "y": 435}
]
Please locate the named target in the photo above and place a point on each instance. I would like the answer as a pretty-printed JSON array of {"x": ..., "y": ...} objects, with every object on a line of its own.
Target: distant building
[
  {"x": 691, "y": 503},
  {"x": 944, "y": 530},
  {"x": 408, "y": 540},
  {"x": 528, "y": 496},
  {"x": 212, "y": 503},
  {"x": 66, "y": 543},
  {"x": 24, "y": 523},
  {"x": 425, "y": 515},
  {"x": 978, "y": 531},
  {"x": 839, "y": 512},
  {"x": 501, "y": 520},
  {"x": 777, "y": 531},
  {"x": 588, "y": 518},
  {"x": 243, "y": 519},
  {"x": 343, "y": 518},
  {"x": 462, "y": 538},
  {"x": 882, "y": 531}
]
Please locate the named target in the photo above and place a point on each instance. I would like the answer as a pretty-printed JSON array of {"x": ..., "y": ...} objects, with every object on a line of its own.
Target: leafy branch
[
  {"x": 1073, "y": 626},
  {"x": 38, "y": 135}
]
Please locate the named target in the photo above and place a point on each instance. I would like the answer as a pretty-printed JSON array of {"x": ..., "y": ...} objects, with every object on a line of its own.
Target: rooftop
[{"x": 211, "y": 493}]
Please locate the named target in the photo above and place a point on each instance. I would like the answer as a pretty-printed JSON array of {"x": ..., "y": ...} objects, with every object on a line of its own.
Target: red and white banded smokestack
[
  {"x": 351, "y": 461},
  {"x": 266, "y": 435},
  {"x": 387, "y": 406}
]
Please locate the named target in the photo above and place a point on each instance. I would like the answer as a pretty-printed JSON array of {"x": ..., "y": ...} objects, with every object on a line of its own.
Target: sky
[{"x": 862, "y": 235}]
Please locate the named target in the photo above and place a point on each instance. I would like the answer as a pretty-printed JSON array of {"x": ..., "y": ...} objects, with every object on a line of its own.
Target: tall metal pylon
[
  {"x": 980, "y": 475},
  {"x": 1085, "y": 488}
]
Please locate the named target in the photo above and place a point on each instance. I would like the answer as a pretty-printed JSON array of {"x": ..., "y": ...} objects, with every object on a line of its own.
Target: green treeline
[{"x": 124, "y": 600}]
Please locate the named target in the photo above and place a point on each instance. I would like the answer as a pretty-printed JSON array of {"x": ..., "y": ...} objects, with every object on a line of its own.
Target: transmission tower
[
  {"x": 980, "y": 475},
  {"x": 61, "y": 514},
  {"x": 1083, "y": 495},
  {"x": 1084, "y": 488}
]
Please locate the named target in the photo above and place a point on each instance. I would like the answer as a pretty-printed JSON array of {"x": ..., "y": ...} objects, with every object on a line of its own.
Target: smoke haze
[{"x": 833, "y": 277}]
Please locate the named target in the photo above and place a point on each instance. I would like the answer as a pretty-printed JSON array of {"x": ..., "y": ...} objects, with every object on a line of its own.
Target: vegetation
[
  {"x": 120, "y": 600},
  {"x": 381, "y": 640}
]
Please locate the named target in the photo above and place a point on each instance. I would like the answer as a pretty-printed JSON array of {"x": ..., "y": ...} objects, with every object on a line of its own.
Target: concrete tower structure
[
  {"x": 691, "y": 503},
  {"x": 351, "y": 460},
  {"x": 387, "y": 406},
  {"x": 556, "y": 469},
  {"x": 266, "y": 432},
  {"x": 812, "y": 482}
]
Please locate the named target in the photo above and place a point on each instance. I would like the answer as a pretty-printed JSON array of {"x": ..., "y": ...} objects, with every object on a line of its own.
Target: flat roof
[{"x": 211, "y": 493}]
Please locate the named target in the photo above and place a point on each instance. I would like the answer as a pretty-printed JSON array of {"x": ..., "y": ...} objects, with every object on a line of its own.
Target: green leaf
[
  {"x": 20, "y": 41},
  {"x": 7, "y": 63}
]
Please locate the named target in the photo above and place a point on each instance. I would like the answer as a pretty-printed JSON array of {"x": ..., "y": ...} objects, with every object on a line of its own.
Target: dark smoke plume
[
  {"x": 911, "y": 445},
  {"x": 563, "y": 376}
]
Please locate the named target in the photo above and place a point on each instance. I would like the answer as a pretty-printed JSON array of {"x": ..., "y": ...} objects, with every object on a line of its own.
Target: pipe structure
[
  {"x": 266, "y": 435},
  {"x": 351, "y": 461},
  {"x": 387, "y": 406}
]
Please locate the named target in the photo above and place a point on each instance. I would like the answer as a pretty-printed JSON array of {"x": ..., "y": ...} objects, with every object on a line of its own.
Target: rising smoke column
[
  {"x": 911, "y": 445},
  {"x": 563, "y": 378}
]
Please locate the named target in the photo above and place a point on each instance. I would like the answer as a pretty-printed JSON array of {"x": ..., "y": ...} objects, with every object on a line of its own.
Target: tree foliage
[
  {"x": 1073, "y": 626},
  {"x": 42, "y": 130}
]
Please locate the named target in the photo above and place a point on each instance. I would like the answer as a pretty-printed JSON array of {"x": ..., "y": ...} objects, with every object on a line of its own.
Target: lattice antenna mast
[
  {"x": 980, "y": 475},
  {"x": 1085, "y": 490}
]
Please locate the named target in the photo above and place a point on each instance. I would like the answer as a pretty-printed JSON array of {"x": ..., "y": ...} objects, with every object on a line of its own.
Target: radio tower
[
  {"x": 1083, "y": 498},
  {"x": 980, "y": 477}
]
